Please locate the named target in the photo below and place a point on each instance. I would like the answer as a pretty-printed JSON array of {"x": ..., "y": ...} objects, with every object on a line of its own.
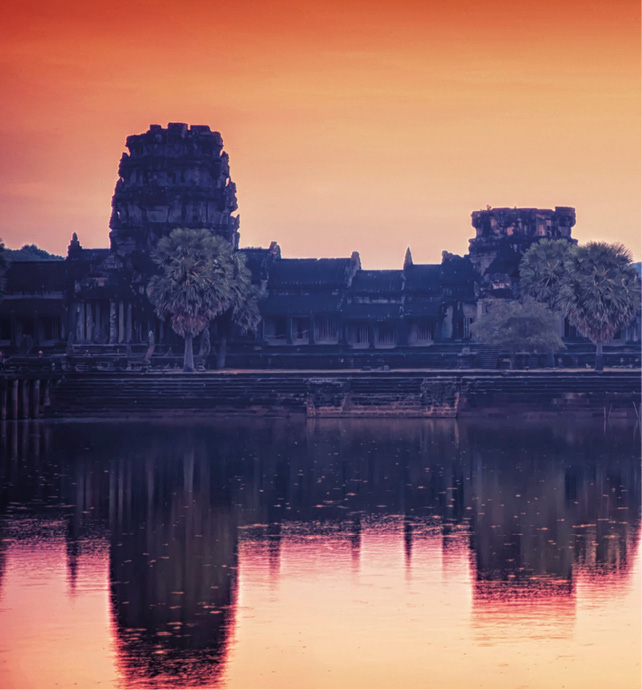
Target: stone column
[
  {"x": 89, "y": 323},
  {"x": 15, "y": 393},
  {"x": 3, "y": 399},
  {"x": 128, "y": 327},
  {"x": 36, "y": 329},
  {"x": 47, "y": 395},
  {"x": 36, "y": 398},
  {"x": 97, "y": 324},
  {"x": 113, "y": 323},
  {"x": 371, "y": 335},
  {"x": 25, "y": 398},
  {"x": 80, "y": 322},
  {"x": 288, "y": 329},
  {"x": 121, "y": 322},
  {"x": 311, "y": 333}
]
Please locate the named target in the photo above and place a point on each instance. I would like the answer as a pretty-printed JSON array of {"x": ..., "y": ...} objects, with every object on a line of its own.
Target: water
[{"x": 285, "y": 553}]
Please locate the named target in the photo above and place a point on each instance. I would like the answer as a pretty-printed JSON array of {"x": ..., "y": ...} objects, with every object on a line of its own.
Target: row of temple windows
[
  {"x": 46, "y": 328},
  {"x": 327, "y": 330}
]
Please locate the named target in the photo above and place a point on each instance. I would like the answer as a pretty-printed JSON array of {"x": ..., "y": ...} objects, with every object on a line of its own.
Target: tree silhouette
[
  {"x": 542, "y": 270},
  {"x": 516, "y": 327},
  {"x": 600, "y": 292},
  {"x": 193, "y": 285}
]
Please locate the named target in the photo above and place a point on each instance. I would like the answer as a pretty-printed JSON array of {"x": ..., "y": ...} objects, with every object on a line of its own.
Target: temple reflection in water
[{"x": 182, "y": 512}]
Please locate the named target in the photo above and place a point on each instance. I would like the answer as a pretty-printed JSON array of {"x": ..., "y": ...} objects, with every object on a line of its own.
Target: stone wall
[{"x": 356, "y": 394}]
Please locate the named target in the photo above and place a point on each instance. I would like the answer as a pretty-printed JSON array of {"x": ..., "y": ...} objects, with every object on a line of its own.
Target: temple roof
[
  {"x": 377, "y": 282},
  {"x": 93, "y": 254},
  {"x": 36, "y": 277},
  {"x": 256, "y": 259},
  {"x": 423, "y": 277},
  {"x": 326, "y": 273},
  {"x": 458, "y": 277},
  {"x": 301, "y": 305}
]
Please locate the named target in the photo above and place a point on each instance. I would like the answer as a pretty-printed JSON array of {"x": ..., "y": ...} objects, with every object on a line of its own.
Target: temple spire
[
  {"x": 407, "y": 262},
  {"x": 74, "y": 245}
]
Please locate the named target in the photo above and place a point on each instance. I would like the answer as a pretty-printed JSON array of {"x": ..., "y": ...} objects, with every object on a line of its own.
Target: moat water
[{"x": 340, "y": 553}]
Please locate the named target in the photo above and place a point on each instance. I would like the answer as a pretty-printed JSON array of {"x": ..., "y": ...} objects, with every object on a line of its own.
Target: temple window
[
  {"x": 385, "y": 334},
  {"x": 51, "y": 328},
  {"x": 300, "y": 327},
  {"x": 422, "y": 332},
  {"x": 326, "y": 329},
  {"x": 358, "y": 334},
  {"x": 275, "y": 328}
]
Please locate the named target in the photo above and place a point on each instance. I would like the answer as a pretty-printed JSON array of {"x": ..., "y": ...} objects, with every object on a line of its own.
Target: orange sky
[{"x": 350, "y": 124}]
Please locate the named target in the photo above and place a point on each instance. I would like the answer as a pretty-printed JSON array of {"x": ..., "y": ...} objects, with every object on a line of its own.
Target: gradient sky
[{"x": 350, "y": 124}]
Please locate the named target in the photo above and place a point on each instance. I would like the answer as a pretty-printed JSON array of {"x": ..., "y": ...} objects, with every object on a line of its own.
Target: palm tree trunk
[
  {"x": 599, "y": 357},
  {"x": 221, "y": 351},
  {"x": 188, "y": 358}
]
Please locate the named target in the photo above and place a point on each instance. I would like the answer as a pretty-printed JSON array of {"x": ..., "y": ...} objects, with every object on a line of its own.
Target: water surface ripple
[{"x": 330, "y": 553}]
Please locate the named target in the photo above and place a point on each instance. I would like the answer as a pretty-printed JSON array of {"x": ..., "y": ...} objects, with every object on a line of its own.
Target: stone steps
[{"x": 387, "y": 393}]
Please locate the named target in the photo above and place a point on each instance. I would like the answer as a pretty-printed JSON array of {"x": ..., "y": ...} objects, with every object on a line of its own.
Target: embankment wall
[{"x": 346, "y": 394}]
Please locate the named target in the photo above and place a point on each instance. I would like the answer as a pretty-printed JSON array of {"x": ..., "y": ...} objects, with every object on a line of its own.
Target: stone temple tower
[
  {"x": 508, "y": 232},
  {"x": 173, "y": 177}
]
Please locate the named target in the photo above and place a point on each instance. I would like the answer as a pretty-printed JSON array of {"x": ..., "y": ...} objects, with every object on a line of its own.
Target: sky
[{"x": 365, "y": 125}]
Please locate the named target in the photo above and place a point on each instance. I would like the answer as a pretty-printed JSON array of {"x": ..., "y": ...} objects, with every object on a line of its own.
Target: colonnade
[
  {"x": 112, "y": 322},
  {"x": 24, "y": 398}
]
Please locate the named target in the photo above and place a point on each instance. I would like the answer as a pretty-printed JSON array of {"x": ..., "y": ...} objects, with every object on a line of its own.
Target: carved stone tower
[
  {"x": 174, "y": 177},
  {"x": 512, "y": 230}
]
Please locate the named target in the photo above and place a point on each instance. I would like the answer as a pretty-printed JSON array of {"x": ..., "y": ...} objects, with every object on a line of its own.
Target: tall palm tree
[
  {"x": 193, "y": 285},
  {"x": 542, "y": 272},
  {"x": 600, "y": 292},
  {"x": 243, "y": 306}
]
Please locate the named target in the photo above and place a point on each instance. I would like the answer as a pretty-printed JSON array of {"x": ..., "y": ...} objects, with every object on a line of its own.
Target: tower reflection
[{"x": 173, "y": 564}]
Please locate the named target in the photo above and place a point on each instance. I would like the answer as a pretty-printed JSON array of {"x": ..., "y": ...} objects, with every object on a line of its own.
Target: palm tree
[
  {"x": 193, "y": 285},
  {"x": 600, "y": 292},
  {"x": 243, "y": 308},
  {"x": 542, "y": 270}
]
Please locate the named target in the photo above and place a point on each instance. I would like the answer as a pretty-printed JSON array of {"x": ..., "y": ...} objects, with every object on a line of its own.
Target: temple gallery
[{"x": 332, "y": 308}]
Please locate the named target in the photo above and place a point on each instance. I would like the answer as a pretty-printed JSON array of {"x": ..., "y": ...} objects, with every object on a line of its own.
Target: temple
[{"x": 315, "y": 312}]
